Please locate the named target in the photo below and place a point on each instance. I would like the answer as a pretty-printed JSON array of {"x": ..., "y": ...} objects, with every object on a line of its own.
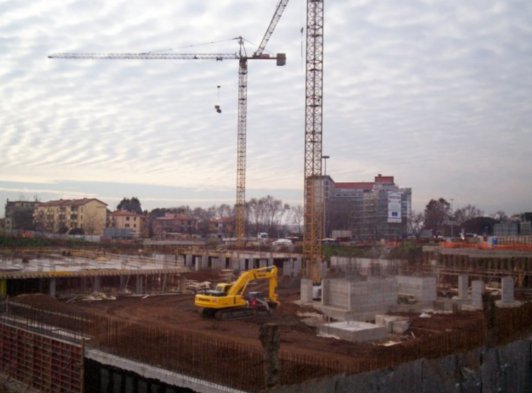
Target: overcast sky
[{"x": 437, "y": 93}]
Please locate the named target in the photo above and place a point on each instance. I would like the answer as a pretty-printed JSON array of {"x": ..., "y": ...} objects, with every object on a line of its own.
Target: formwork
[{"x": 40, "y": 362}]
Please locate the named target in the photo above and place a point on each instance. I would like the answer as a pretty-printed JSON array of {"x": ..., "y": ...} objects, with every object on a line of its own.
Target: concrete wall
[
  {"x": 373, "y": 297},
  {"x": 366, "y": 267},
  {"x": 359, "y": 300},
  {"x": 422, "y": 288},
  {"x": 504, "y": 369},
  {"x": 335, "y": 293}
]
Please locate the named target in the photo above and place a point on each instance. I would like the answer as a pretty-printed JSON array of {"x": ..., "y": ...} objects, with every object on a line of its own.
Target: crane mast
[
  {"x": 313, "y": 186},
  {"x": 240, "y": 205}
]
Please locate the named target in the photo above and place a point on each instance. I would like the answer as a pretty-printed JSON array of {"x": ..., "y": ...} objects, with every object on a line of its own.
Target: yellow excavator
[{"x": 230, "y": 300}]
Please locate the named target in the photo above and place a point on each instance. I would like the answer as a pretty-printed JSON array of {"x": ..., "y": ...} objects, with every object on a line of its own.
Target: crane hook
[{"x": 217, "y": 106}]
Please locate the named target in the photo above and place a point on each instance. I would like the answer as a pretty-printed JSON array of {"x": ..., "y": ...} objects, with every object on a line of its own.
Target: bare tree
[
  {"x": 266, "y": 214},
  {"x": 416, "y": 222},
  {"x": 466, "y": 213}
]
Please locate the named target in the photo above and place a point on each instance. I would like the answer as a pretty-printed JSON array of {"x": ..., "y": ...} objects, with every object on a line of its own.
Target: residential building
[
  {"x": 370, "y": 210},
  {"x": 174, "y": 223},
  {"x": 125, "y": 224},
  {"x": 222, "y": 227},
  {"x": 87, "y": 216},
  {"x": 19, "y": 215}
]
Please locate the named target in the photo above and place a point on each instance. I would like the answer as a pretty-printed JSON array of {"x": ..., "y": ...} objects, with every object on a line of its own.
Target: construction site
[
  {"x": 190, "y": 319},
  {"x": 90, "y": 321}
]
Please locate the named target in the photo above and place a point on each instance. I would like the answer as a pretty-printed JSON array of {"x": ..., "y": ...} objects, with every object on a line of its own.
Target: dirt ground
[{"x": 177, "y": 312}]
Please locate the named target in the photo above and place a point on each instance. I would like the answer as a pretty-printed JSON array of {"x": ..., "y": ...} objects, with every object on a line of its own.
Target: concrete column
[
  {"x": 83, "y": 284},
  {"x": 263, "y": 263},
  {"x": 477, "y": 289},
  {"x": 197, "y": 263},
  {"x": 325, "y": 292},
  {"x": 96, "y": 286},
  {"x": 3, "y": 288},
  {"x": 52, "y": 287},
  {"x": 270, "y": 338},
  {"x": 297, "y": 266},
  {"x": 349, "y": 299},
  {"x": 507, "y": 294},
  {"x": 204, "y": 261},
  {"x": 306, "y": 290},
  {"x": 270, "y": 261},
  {"x": 463, "y": 285},
  {"x": 287, "y": 268},
  {"x": 242, "y": 264},
  {"x": 188, "y": 260},
  {"x": 140, "y": 284},
  {"x": 182, "y": 283},
  {"x": 122, "y": 283}
]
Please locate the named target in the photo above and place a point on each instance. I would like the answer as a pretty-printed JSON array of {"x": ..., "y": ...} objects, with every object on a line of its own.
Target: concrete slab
[{"x": 354, "y": 331}]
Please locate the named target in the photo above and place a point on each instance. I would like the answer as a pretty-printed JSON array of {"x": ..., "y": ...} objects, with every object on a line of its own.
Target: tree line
[
  {"x": 266, "y": 214},
  {"x": 441, "y": 219}
]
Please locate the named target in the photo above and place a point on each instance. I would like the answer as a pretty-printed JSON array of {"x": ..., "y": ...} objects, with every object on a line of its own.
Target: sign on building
[{"x": 394, "y": 207}]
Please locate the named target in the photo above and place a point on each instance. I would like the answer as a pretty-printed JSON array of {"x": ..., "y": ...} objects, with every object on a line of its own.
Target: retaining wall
[{"x": 503, "y": 369}]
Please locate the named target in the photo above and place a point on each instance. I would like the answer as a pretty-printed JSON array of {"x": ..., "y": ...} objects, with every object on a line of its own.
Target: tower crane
[
  {"x": 314, "y": 195},
  {"x": 242, "y": 57}
]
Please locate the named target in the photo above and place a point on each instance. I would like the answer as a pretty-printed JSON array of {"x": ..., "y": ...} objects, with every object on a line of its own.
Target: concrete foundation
[{"x": 354, "y": 331}]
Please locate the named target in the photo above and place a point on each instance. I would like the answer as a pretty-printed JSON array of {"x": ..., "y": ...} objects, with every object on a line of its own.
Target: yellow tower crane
[
  {"x": 314, "y": 195},
  {"x": 241, "y": 56}
]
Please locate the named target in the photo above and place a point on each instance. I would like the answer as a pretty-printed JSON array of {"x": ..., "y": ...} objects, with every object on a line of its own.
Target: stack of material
[{"x": 197, "y": 286}]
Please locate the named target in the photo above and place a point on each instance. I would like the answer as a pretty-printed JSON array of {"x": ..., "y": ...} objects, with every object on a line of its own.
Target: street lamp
[{"x": 325, "y": 158}]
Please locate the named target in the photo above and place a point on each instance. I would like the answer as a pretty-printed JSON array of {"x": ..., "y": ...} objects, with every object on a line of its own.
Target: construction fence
[{"x": 240, "y": 365}]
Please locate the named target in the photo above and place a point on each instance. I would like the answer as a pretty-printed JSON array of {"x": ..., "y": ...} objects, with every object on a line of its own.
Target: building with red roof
[{"x": 370, "y": 210}]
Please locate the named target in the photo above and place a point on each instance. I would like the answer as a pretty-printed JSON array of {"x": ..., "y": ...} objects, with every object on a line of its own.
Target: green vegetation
[
  {"x": 40, "y": 242},
  {"x": 406, "y": 250}
]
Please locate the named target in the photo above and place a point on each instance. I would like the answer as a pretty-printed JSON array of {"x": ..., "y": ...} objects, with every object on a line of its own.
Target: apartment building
[
  {"x": 370, "y": 210},
  {"x": 126, "y": 224},
  {"x": 174, "y": 223},
  {"x": 87, "y": 216},
  {"x": 19, "y": 215}
]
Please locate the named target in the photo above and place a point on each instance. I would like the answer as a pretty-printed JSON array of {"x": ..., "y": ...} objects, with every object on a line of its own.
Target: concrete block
[
  {"x": 354, "y": 331},
  {"x": 242, "y": 264},
  {"x": 306, "y": 291}
]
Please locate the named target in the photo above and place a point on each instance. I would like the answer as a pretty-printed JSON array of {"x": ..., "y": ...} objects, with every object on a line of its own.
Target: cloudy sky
[{"x": 437, "y": 93}]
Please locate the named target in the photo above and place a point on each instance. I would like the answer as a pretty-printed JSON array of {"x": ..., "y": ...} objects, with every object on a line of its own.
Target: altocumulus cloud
[{"x": 436, "y": 93}]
